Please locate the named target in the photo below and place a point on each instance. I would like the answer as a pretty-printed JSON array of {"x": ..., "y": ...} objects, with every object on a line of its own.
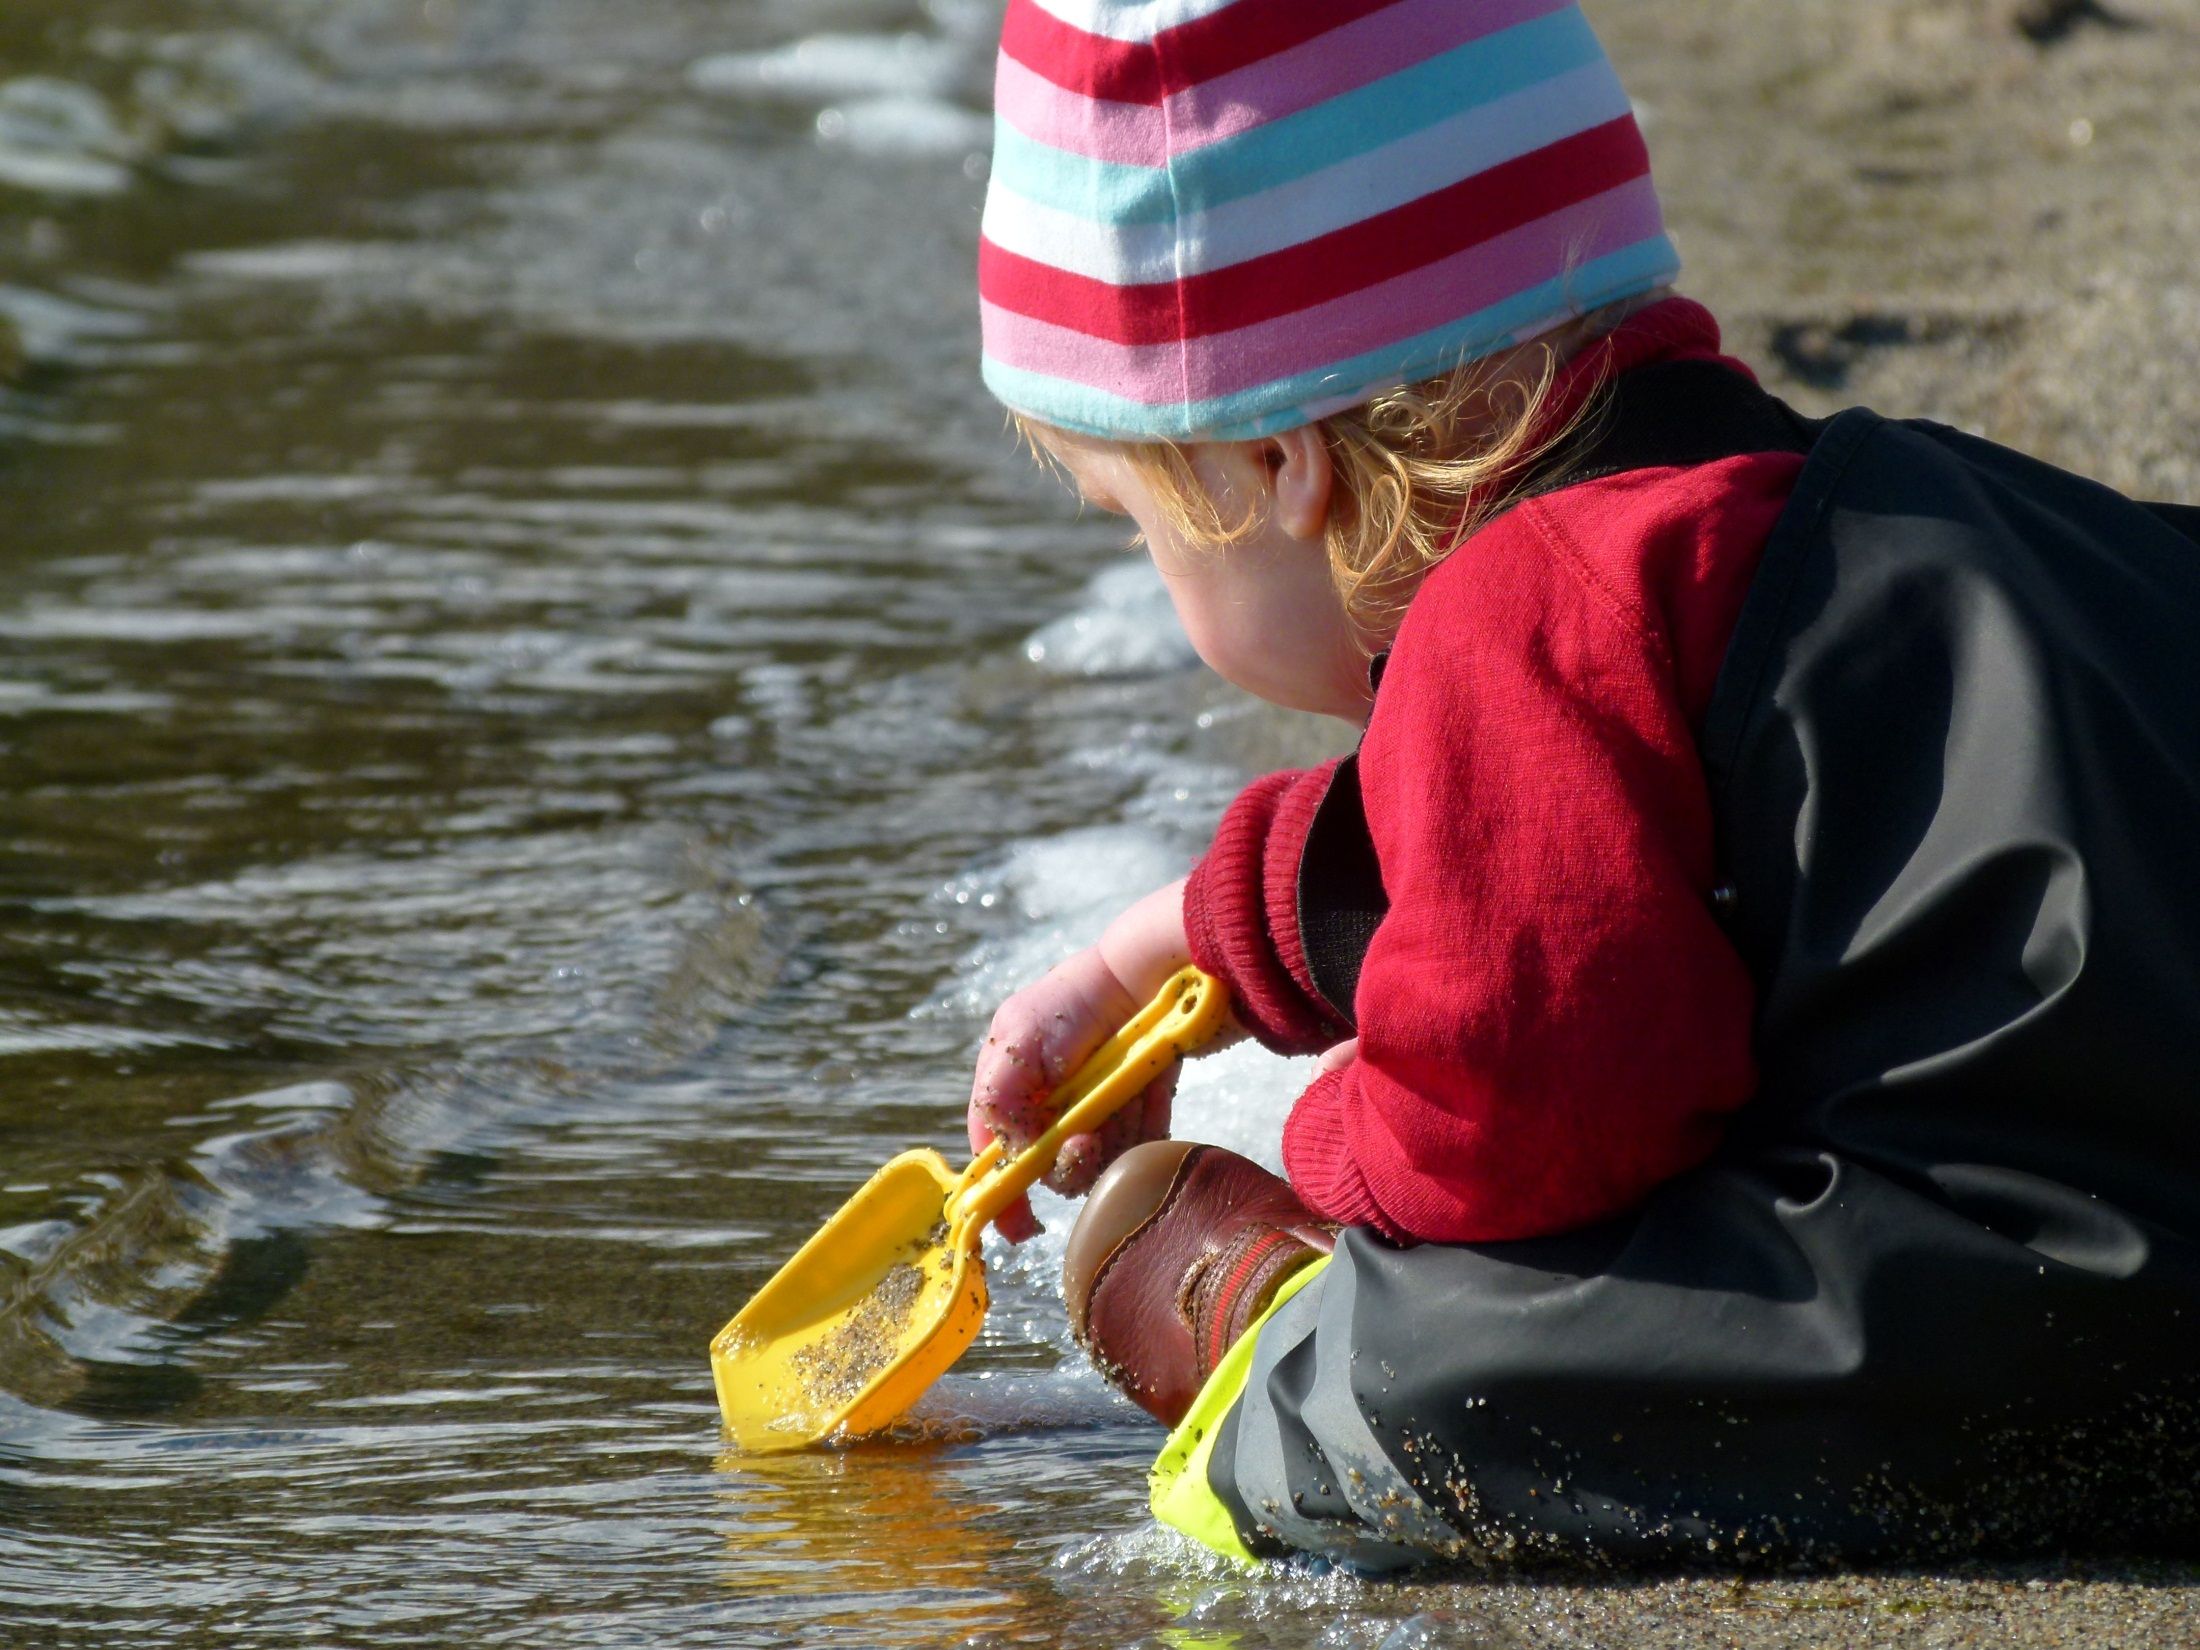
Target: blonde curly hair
[{"x": 1418, "y": 469}]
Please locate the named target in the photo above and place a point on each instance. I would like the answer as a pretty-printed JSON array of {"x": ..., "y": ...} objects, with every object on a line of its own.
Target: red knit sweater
[{"x": 1550, "y": 1022}]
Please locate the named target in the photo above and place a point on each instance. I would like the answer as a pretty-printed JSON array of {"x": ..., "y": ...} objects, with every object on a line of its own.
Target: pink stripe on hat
[{"x": 1129, "y": 134}]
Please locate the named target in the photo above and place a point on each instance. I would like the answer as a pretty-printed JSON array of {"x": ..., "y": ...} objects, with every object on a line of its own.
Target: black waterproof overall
[{"x": 1940, "y": 1292}]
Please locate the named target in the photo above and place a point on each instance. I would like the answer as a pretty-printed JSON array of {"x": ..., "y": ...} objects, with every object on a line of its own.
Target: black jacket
[{"x": 1940, "y": 1293}]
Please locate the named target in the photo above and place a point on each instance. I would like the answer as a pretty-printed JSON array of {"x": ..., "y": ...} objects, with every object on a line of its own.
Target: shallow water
[{"x": 538, "y": 712}]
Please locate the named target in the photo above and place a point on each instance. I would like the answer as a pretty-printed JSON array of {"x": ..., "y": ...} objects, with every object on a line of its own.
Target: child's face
[{"x": 1263, "y": 611}]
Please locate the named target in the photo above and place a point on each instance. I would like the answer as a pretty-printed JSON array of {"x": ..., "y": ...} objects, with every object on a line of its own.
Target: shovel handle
[{"x": 1184, "y": 1015}]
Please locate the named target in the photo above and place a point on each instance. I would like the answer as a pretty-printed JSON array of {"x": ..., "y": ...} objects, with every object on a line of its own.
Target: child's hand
[
  {"x": 1037, "y": 1040},
  {"x": 1041, "y": 1035}
]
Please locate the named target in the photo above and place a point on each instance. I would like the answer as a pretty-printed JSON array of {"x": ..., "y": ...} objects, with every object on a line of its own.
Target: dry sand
[{"x": 1982, "y": 211}]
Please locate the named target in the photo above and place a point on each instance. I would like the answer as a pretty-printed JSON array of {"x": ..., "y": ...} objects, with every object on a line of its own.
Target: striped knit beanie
[{"x": 1222, "y": 218}]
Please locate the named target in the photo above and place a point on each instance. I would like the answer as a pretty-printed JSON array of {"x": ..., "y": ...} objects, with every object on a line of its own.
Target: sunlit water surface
[{"x": 538, "y": 712}]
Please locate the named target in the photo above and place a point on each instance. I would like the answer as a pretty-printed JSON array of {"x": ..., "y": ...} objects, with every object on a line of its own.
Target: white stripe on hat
[{"x": 1129, "y": 19}]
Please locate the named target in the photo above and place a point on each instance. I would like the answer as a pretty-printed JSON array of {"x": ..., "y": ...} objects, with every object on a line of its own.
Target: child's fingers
[
  {"x": 1083, "y": 1156},
  {"x": 1038, "y": 1038},
  {"x": 1077, "y": 1167},
  {"x": 1086, "y": 1155},
  {"x": 1145, "y": 1118},
  {"x": 1161, "y": 1103},
  {"x": 1016, "y": 1222},
  {"x": 1233, "y": 1032},
  {"x": 1008, "y": 1091}
]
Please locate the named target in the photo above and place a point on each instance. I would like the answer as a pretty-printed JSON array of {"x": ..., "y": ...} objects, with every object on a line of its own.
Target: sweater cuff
[
  {"x": 1280, "y": 860},
  {"x": 1226, "y": 919},
  {"x": 1318, "y": 1158}
]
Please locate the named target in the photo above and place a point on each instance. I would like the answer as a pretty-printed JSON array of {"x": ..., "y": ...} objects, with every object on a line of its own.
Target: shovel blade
[{"x": 850, "y": 1332}]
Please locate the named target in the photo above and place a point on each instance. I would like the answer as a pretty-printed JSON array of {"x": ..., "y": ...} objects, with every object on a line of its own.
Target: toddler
[{"x": 1754, "y": 952}]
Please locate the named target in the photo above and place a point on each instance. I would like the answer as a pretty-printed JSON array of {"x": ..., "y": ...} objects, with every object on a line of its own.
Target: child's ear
[{"x": 1300, "y": 473}]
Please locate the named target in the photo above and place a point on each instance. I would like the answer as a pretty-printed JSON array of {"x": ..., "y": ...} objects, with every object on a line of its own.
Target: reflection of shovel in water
[{"x": 880, "y": 1303}]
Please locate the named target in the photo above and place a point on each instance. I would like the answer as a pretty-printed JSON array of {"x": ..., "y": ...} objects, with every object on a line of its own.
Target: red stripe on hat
[
  {"x": 1119, "y": 71},
  {"x": 1176, "y": 59},
  {"x": 1347, "y": 260},
  {"x": 1229, "y": 39}
]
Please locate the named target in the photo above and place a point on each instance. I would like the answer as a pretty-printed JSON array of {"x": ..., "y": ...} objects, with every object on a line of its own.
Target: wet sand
[{"x": 2095, "y": 1607}]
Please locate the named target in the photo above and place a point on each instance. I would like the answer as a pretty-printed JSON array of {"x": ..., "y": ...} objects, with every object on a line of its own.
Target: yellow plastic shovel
[{"x": 880, "y": 1303}]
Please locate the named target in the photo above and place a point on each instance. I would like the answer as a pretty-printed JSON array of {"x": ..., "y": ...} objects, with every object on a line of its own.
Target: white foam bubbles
[
  {"x": 295, "y": 261},
  {"x": 962, "y": 1407},
  {"x": 1238, "y": 1098},
  {"x": 1124, "y": 625},
  {"x": 908, "y": 127},
  {"x": 58, "y": 138},
  {"x": 891, "y": 93},
  {"x": 52, "y": 328},
  {"x": 1065, "y": 889},
  {"x": 836, "y": 65}
]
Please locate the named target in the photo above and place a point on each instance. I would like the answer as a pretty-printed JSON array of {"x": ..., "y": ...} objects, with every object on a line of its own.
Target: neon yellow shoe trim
[{"x": 1177, "y": 1480}]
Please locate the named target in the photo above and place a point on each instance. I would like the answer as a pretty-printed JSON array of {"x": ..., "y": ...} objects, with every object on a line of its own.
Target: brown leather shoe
[{"x": 1179, "y": 1247}]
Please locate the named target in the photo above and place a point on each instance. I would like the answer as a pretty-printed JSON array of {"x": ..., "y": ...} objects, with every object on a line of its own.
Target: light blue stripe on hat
[
  {"x": 1279, "y": 151},
  {"x": 1282, "y": 405}
]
